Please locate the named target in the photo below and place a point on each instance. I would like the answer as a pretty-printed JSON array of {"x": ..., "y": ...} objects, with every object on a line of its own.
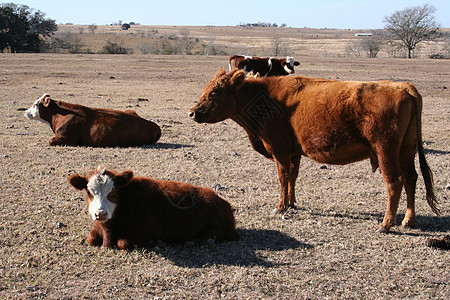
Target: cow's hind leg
[
  {"x": 390, "y": 170},
  {"x": 407, "y": 155},
  {"x": 295, "y": 163},
  {"x": 410, "y": 175}
]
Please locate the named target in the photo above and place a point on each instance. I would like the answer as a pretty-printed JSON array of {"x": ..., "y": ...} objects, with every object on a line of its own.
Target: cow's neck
[
  {"x": 61, "y": 109},
  {"x": 256, "y": 107}
]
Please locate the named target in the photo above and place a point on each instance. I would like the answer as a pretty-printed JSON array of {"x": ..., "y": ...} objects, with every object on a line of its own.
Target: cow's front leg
[
  {"x": 57, "y": 141},
  {"x": 283, "y": 167},
  {"x": 100, "y": 235},
  {"x": 95, "y": 238},
  {"x": 294, "y": 166},
  {"x": 124, "y": 244}
]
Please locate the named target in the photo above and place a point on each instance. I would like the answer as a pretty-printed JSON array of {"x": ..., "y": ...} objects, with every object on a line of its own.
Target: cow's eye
[
  {"x": 214, "y": 94},
  {"x": 112, "y": 197}
]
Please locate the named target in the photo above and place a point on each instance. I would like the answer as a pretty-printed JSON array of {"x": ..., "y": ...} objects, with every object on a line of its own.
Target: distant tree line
[
  {"x": 22, "y": 29},
  {"x": 27, "y": 30},
  {"x": 262, "y": 24},
  {"x": 404, "y": 31}
]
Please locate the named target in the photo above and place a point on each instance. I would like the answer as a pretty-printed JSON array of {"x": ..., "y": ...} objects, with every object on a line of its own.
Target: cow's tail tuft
[{"x": 424, "y": 168}]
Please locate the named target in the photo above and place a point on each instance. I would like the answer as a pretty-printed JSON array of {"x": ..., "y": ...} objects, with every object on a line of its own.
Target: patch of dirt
[{"x": 326, "y": 248}]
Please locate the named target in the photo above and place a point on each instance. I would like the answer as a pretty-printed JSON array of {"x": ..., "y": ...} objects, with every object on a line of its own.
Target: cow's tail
[
  {"x": 424, "y": 168},
  {"x": 232, "y": 58}
]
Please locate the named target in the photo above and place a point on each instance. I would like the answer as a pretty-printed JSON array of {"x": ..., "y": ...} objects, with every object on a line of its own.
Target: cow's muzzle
[
  {"x": 101, "y": 216},
  {"x": 195, "y": 116}
]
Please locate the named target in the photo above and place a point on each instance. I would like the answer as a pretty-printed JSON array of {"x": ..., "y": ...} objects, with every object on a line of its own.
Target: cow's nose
[
  {"x": 101, "y": 215},
  {"x": 191, "y": 114}
]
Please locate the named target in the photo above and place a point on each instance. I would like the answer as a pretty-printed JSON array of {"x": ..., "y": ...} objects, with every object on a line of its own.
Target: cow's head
[
  {"x": 101, "y": 191},
  {"x": 37, "y": 111},
  {"x": 288, "y": 64},
  {"x": 218, "y": 102}
]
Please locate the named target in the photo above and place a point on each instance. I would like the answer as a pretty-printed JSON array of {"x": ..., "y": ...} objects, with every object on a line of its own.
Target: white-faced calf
[{"x": 131, "y": 211}]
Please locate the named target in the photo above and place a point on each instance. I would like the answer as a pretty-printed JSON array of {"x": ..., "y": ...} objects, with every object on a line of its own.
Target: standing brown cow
[{"x": 329, "y": 121}]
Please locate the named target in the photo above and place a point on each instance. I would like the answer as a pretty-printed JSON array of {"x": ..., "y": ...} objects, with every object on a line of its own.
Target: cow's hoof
[
  {"x": 382, "y": 229},
  {"x": 408, "y": 223},
  {"x": 275, "y": 211}
]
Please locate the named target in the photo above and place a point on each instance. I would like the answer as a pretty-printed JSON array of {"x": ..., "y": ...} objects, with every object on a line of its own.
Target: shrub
[{"x": 115, "y": 48}]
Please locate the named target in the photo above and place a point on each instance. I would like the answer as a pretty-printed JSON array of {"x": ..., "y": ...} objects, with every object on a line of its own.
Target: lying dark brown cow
[
  {"x": 131, "y": 211},
  {"x": 77, "y": 125},
  {"x": 329, "y": 121},
  {"x": 265, "y": 66}
]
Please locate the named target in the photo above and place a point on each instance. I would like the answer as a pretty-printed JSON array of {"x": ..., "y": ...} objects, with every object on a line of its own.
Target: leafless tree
[
  {"x": 187, "y": 43},
  {"x": 279, "y": 47},
  {"x": 369, "y": 45},
  {"x": 92, "y": 28},
  {"x": 413, "y": 25}
]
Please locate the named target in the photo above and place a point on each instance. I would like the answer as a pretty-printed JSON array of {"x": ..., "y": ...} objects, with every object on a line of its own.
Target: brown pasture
[{"x": 326, "y": 248}]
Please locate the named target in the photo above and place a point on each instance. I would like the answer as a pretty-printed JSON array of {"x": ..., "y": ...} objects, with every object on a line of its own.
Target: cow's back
[
  {"x": 174, "y": 211},
  {"x": 334, "y": 121},
  {"x": 117, "y": 128}
]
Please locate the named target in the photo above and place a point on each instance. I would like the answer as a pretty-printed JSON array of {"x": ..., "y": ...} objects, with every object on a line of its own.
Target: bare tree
[
  {"x": 279, "y": 47},
  {"x": 413, "y": 25},
  {"x": 187, "y": 43},
  {"x": 369, "y": 44},
  {"x": 92, "y": 28}
]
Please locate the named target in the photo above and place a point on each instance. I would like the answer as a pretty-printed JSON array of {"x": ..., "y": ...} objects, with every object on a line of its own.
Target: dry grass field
[
  {"x": 327, "y": 248},
  {"x": 229, "y": 40}
]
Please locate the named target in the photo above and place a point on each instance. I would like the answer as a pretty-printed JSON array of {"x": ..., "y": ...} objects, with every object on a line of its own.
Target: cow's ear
[
  {"x": 296, "y": 63},
  {"x": 46, "y": 101},
  {"x": 237, "y": 78},
  {"x": 78, "y": 182},
  {"x": 219, "y": 73},
  {"x": 123, "y": 178}
]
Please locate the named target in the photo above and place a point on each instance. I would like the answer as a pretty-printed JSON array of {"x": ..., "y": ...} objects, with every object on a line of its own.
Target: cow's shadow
[
  {"x": 166, "y": 146},
  {"x": 436, "y": 152},
  {"x": 236, "y": 253},
  {"x": 423, "y": 223}
]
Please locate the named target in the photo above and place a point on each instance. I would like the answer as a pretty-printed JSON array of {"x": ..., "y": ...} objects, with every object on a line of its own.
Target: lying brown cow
[
  {"x": 76, "y": 125},
  {"x": 131, "y": 211},
  {"x": 329, "y": 121},
  {"x": 265, "y": 66}
]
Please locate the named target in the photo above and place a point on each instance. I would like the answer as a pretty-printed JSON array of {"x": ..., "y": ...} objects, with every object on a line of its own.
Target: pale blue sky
[{"x": 344, "y": 14}]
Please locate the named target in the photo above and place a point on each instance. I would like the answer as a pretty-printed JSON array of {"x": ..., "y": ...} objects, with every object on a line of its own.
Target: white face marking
[
  {"x": 33, "y": 112},
  {"x": 289, "y": 71},
  {"x": 290, "y": 60},
  {"x": 101, "y": 209}
]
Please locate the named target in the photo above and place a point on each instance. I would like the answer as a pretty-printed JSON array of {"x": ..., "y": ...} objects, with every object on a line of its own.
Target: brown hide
[
  {"x": 329, "y": 121},
  {"x": 77, "y": 125},
  {"x": 149, "y": 210},
  {"x": 261, "y": 65}
]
